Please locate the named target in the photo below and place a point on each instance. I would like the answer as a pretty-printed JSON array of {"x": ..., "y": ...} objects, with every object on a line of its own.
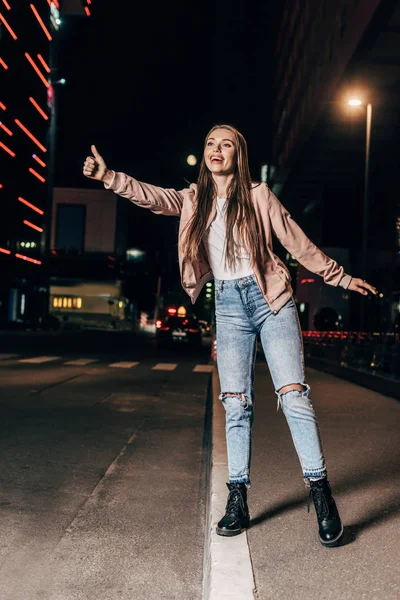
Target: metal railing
[{"x": 374, "y": 353}]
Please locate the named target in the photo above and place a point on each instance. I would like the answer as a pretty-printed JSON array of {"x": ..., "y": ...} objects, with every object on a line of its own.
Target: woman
[{"x": 225, "y": 233}]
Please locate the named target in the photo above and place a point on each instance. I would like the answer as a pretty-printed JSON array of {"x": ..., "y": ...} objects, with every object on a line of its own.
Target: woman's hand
[
  {"x": 95, "y": 167},
  {"x": 362, "y": 287}
]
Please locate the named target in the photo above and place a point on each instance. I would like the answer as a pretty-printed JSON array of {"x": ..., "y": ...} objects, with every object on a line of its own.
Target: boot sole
[
  {"x": 333, "y": 543},
  {"x": 231, "y": 532}
]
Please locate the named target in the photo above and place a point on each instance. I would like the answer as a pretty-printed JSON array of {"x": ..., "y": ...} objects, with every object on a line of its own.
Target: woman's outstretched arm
[
  {"x": 159, "y": 200},
  {"x": 293, "y": 238}
]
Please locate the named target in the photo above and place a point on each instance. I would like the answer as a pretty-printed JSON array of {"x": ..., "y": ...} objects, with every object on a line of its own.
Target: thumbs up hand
[{"x": 95, "y": 167}]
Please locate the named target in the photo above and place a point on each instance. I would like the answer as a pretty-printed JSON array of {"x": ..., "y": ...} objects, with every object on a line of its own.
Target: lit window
[
  {"x": 65, "y": 302},
  {"x": 69, "y": 302}
]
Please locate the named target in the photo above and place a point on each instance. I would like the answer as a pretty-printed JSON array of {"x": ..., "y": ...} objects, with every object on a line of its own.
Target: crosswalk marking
[
  {"x": 6, "y": 356},
  {"x": 39, "y": 359},
  {"x": 203, "y": 368},
  {"x": 164, "y": 367},
  {"x": 124, "y": 365},
  {"x": 81, "y": 362}
]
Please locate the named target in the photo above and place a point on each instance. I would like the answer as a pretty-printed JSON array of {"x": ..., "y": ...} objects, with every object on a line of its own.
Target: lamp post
[{"x": 357, "y": 102}]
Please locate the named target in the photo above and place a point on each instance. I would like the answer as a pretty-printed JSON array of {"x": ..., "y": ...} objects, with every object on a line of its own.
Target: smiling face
[{"x": 220, "y": 152}]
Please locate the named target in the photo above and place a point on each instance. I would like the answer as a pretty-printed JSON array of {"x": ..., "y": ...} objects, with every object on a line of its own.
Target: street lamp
[{"x": 358, "y": 102}]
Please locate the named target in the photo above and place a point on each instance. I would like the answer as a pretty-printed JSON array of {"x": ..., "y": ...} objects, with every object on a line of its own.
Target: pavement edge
[{"x": 228, "y": 571}]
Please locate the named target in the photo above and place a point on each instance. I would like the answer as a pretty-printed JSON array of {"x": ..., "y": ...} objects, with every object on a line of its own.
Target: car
[
  {"x": 175, "y": 330},
  {"x": 205, "y": 328}
]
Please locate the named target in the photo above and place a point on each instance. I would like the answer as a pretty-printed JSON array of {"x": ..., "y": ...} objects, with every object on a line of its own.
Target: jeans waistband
[{"x": 242, "y": 281}]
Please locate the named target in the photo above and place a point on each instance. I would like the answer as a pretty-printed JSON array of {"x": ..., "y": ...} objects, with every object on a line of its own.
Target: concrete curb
[{"x": 228, "y": 572}]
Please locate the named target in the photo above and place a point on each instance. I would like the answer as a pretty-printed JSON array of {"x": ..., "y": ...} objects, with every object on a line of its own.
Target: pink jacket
[{"x": 274, "y": 280}]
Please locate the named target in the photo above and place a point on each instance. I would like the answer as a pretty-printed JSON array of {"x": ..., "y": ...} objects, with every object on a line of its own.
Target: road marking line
[
  {"x": 82, "y": 361},
  {"x": 39, "y": 359},
  {"x": 164, "y": 367},
  {"x": 6, "y": 356},
  {"x": 228, "y": 573},
  {"x": 203, "y": 369},
  {"x": 124, "y": 365}
]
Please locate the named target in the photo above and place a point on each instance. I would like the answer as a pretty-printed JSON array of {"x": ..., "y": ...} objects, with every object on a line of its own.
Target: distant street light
[
  {"x": 191, "y": 160},
  {"x": 357, "y": 102}
]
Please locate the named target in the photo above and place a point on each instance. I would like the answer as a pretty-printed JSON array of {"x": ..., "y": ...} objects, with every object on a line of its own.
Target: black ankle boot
[
  {"x": 330, "y": 526},
  {"x": 236, "y": 516}
]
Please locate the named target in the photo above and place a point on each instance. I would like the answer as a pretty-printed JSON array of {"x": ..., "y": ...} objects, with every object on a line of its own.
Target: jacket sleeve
[
  {"x": 159, "y": 200},
  {"x": 293, "y": 238}
]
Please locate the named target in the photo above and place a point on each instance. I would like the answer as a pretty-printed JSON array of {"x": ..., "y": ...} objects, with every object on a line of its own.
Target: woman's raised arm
[{"x": 159, "y": 200}]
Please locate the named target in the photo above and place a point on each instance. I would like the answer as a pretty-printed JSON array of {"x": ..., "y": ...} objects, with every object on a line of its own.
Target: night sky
[{"x": 146, "y": 84}]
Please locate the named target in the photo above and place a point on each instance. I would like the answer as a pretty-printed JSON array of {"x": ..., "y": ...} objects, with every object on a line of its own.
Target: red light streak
[
  {"x": 42, "y": 77},
  {"x": 39, "y": 160},
  {"x": 32, "y": 260},
  {"x": 3, "y": 64},
  {"x": 57, "y": 4},
  {"x": 36, "y": 174},
  {"x": 6, "y": 5},
  {"x": 32, "y": 206},
  {"x": 4, "y": 251},
  {"x": 42, "y": 25},
  {"x": 6, "y": 129},
  {"x": 1, "y": 185},
  {"x": 89, "y": 1},
  {"x": 87, "y": 11},
  {"x": 41, "y": 111},
  {"x": 30, "y": 135},
  {"x": 44, "y": 63},
  {"x": 7, "y": 149},
  {"x": 11, "y": 32},
  {"x": 3, "y": 106},
  {"x": 32, "y": 225}
]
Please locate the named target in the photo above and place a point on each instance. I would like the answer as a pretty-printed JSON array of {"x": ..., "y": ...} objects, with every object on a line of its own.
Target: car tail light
[{"x": 193, "y": 330}]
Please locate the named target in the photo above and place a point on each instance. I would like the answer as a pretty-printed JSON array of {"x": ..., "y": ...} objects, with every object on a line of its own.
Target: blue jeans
[{"x": 241, "y": 314}]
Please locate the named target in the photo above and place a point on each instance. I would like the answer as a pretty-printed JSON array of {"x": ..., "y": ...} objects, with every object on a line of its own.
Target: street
[{"x": 103, "y": 468}]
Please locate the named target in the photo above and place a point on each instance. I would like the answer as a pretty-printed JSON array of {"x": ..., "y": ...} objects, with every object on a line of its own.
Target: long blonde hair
[{"x": 240, "y": 209}]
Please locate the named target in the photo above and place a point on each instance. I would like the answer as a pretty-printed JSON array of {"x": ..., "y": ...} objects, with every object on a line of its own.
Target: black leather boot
[
  {"x": 236, "y": 516},
  {"x": 330, "y": 526}
]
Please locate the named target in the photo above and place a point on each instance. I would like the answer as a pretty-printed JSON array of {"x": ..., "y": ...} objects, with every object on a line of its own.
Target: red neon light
[
  {"x": 307, "y": 281},
  {"x": 30, "y": 135},
  {"x": 39, "y": 160},
  {"x": 56, "y": 2},
  {"x": 87, "y": 11},
  {"x": 42, "y": 25},
  {"x": 7, "y": 5},
  {"x": 32, "y": 225},
  {"x": 36, "y": 105},
  {"x": 7, "y": 149},
  {"x": 32, "y": 260},
  {"x": 42, "y": 77},
  {"x": 36, "y": 174},
  {"x": 89, "y": 1},
  {"x": 4, "y": 251},
  {"x": 3, "y": 106},
  {"x": 32, "y": 206},
  {"x": 1, "y": 185},
  {"x": 44, "y": 63},
  {"x": 2, "y": 19},
  {"x": 3, "y": 64},
  {"x": 6, "y": 129}
]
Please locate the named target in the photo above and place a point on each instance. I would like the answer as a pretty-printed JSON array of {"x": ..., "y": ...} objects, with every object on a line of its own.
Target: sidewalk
[{"x": 280, "y": 556}]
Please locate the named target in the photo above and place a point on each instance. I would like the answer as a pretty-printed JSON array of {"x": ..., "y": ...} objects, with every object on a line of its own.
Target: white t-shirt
[{"x": 214, "y": 241}]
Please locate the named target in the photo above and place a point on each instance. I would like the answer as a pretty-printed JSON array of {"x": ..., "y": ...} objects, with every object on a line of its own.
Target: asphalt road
[{"x": 102, "y": 482}]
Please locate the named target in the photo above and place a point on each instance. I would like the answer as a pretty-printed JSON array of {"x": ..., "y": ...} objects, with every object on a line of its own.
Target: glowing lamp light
[
  {"x": 181, "y": 311},
  {"x": 191, "y": 160},
  {"x": 355, "y": 102},
  {"x": 172, "y": 311}
]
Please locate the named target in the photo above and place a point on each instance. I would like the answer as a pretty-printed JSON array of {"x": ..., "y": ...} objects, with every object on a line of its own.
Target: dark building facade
[
  {"x": 29, "y": 79},
  {"x": 327, "y": 53}
]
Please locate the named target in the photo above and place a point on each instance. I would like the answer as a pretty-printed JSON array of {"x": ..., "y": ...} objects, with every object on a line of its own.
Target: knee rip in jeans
[
  {"x": 301, "y": 387},
  {"x": 239, "y": 395}
]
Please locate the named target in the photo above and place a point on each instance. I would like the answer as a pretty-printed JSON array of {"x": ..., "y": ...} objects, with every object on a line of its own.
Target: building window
[
  {"x": 70, "y": 227},
  {"x": 67, "y": 302}
]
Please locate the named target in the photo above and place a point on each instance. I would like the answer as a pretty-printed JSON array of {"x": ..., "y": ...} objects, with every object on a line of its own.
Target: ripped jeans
[{"x": 242, "y": 313}]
